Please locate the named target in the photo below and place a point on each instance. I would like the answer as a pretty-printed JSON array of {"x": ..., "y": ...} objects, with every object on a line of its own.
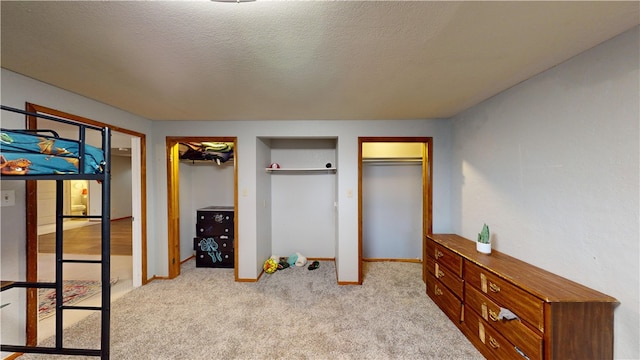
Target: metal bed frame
[{"x": 105, "y": 217}]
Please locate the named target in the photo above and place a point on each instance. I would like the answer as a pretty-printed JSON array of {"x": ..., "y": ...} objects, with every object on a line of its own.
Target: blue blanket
[{"x": 33, "y": 154}]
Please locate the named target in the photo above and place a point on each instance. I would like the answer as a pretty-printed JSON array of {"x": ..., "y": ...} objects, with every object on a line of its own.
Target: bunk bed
[{"x": 36, "y": 154}]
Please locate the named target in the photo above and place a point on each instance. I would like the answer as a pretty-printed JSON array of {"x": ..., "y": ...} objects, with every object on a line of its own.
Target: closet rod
[{"x": 393, "y": 161}]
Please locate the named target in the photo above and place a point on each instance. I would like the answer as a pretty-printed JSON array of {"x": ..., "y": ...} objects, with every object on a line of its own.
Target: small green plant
[{"x": 483, "y": 236}]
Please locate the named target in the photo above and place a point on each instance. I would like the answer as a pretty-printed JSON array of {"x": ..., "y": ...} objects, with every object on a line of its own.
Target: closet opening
[
  {"x": 394, "y": 199},
  {"x": 297, "y": 199},
  {"x": 201, "y": 181}
]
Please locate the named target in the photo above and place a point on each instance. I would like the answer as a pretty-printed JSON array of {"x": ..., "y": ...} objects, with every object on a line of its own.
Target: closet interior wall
[
  {"x": 392, "y": 210},
  {"x": 303, "y": 203},
  {"x": 392, "y": 206},
  {"x": 202, "y": 184}
]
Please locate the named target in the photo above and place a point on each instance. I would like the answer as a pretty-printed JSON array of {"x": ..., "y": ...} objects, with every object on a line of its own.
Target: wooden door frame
[
  {"x": 173, "y": 198},
  {"x": 32, "y": 213},
  {"x": 427, "y": 192}
]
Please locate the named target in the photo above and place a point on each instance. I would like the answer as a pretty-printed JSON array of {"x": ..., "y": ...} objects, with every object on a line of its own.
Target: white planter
[{"x": 483, "y": 248}]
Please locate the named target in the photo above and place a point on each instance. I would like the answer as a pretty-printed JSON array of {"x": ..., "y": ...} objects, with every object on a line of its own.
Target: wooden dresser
[{"x": 556, "y": 318}]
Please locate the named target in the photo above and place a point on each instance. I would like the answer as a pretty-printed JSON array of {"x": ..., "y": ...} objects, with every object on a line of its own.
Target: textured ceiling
[{"x": 203, "y": 60}]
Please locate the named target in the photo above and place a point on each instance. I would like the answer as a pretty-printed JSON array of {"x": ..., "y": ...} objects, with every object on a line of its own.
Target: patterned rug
[{"x": 73, "y": 292}]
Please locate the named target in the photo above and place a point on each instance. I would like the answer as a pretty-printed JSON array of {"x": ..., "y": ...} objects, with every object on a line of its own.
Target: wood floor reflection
[{"x": 86, "y": 239}]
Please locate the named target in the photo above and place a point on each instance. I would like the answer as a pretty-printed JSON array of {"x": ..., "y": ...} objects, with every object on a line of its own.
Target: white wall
[
  {"x": 263, "y": 230},
  {"x": 121, "y": 187},
  {"x": 46, "y": 202},
  {"x": 302, "y": 211},
  {"x": 16, "y": 90},
  {"x": 13, "y": 266},
  {"x": 212, "y": 185},
  {"x": 552, "y": 166}
]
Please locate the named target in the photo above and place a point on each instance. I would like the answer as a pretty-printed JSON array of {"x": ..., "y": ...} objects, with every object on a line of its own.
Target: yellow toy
[{"x": 270, "y": 266}]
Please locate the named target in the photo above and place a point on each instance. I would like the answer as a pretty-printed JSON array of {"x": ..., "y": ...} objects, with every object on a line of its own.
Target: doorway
[
  {"x": 426, "y": 155},
  {"x": 137, "y": 182},
  {"x": 175, "y": 241}
]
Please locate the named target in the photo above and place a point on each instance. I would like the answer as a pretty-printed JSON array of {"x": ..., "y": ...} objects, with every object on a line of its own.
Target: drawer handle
[
  {"x": 437, "y": 290},
  {"x": 493, "y": 342},
  {"x": 439, "y": 254},
  {"x": 492, "y": 315},
  {"x": 440, "y": 274},
  {"x": 494, "y": 288}
]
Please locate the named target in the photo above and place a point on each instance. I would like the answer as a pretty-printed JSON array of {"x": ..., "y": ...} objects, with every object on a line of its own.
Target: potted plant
[{"x": 483, "y": 244}]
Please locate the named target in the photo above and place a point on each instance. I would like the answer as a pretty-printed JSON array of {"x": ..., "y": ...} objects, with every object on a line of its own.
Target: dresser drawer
[
  {"x": 218, "y": 243},
  {"x": 486, "y": 337},
  {"x": 214, "y": 251},
  {"x": 445, "y": 257},
  {"x": 225, "y": 243},
  {"x": 214, "y": 259},
  {"x": 446, "y": 276},
  {"x": 210, "y": 228},
  {"x": 528, "y": 307},
  {"x": 445, "y": 299},
  {"x": 218, "y": 217},
  {"x": 527, "y": 340}
]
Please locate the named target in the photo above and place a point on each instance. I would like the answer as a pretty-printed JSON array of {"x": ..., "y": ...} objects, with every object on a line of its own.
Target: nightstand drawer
[
  {"x": 446, "y": 276},
  {"x": 445, "y": 257},
  {"x": 528, "y": 307},
  {"x": 445, "y": 299},
  {"x": 514, "y": 330}
]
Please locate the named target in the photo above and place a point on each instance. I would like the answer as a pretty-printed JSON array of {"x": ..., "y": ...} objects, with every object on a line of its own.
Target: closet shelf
[
  {"x": 393, "y": 160},
  {"x": 302, "y": 170}
]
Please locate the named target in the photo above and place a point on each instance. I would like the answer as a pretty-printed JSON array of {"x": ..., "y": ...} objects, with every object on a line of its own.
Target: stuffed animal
[{"x": 270, "y": 266}]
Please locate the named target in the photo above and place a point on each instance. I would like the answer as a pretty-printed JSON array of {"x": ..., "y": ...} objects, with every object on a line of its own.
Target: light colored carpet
[{"x": 292, "y": 314}]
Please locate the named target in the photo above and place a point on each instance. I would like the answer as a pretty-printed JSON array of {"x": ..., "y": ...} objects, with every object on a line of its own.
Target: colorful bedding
[{"x": 34, "y": 154}]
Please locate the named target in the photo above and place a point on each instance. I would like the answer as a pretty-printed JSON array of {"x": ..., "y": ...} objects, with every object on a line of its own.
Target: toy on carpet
[
  {"x": 292, "y": 259},
  {"x": 301, "y": 260},
  {"x": 275, "y": 263},
  {"x": 270, "y": 266}
]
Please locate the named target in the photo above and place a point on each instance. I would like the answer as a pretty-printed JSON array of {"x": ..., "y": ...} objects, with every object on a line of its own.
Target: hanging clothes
[{"x": 213, "y": 151}]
